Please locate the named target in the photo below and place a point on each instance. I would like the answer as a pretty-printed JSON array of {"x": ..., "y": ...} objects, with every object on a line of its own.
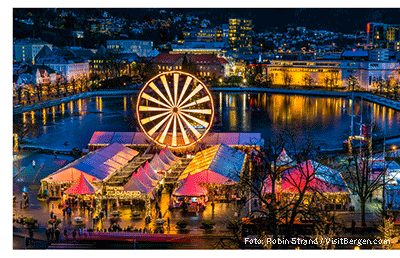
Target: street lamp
[{"x": 394, "y": 147}]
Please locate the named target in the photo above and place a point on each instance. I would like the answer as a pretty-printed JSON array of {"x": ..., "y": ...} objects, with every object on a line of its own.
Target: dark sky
[{"x": 345, "y": 20}]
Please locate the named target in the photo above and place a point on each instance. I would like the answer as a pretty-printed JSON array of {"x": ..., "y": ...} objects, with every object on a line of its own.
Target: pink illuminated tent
[
  {"x": 148, "y": 169},
  {"x": 81, "y": 186},
  {"x": 144, "y": 178},
  {"x": 189, "y": 187},
  {"x": 158, "y": 164},
  {"x": 311, "y": 177},
  {"x": 134, "y": 184}
]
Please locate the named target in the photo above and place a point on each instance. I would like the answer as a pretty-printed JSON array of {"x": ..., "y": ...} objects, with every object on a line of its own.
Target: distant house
[
  {"x": 204, "y": 65},
  {"x": 37, "y": 74},
  {"x": 67, "y": 63}
]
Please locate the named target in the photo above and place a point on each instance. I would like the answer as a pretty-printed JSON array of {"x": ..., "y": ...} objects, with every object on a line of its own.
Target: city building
[
  {"x": 202, "y": 35},
  {"x": 383, "y": 35},
  {"x": 240, "y": 34},
  {"x": 67, "y": 63},
  {"x": 216, "y": 48},
  {"x": 203, "y": 65},
  {"x": 327, "y": 73},
  {"x": 140, "y": 47},
  {"x": 378, "y": 55},
  {"x": 305, "y": 73},
  {"x": 25, "y": 50}
]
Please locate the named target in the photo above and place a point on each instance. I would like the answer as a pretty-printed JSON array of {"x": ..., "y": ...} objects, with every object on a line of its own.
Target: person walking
[
  {"x": 33, "y": 163},
  {"x": 48, "y": 233},
  {"x": 57, "y": 235},
  {"x": 74, "y": 234},
  {"x": 66, "y": 234}
]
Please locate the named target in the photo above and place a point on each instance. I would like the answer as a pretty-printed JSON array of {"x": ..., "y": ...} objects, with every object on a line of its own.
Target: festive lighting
[{"x": 179, "y": 106}]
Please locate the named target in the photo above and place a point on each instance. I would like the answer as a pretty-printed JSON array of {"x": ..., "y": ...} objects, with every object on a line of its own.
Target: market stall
[
  {"x": 189, "y": 196},
  {"x": 96, "y": 167}
]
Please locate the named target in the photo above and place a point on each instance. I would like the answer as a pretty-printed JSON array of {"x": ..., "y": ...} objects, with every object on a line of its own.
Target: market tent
[
  {"x": 390, "y": 166},
  {"x": 388, "y": 154},
  {"x": 134, "y": 184},
  {"x": 158, "y": 164},
  {"x": 96, "y": 166},
  {"x": 150, "y": 172},
  {"x": 144, "y": 178},
  {"x": 228, "y": 138},
  {"x": 283, "y": 159},
  {"x": 170, "y": 155},
  {"x": 81, "y": 186},
  {"x": 311, "y": 177},
  {"x": 210, "y": 177},
  {"x": 99, "y": 138},
  {"x": 221, "y": 159},
  {"x": 189, "y": 188},
  {"x": 163, "y": 156},
  {"x": 123, "y": 137}
]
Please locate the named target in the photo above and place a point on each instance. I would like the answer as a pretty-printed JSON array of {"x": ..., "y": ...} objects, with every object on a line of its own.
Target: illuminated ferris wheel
[{"x": 175, "y": 109}]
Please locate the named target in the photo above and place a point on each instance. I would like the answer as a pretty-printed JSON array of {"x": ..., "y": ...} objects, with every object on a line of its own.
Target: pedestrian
[
  {"x": 353, "y": 226},
  {"x": 20, "y": 204},
  {"x": 51, "y": 214},
  {"x": 66, "y": 234},
  {"x": 74, "y": 234},
  {"x": 48, "y": 234},
  {"x": 57, "y": 235},
  {"x": 33, "y": 163},
  {"x": 52, "y": 233}
]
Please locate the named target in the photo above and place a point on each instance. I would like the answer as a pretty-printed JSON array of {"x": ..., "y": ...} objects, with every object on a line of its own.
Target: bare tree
[
  {"x": 278, "y": 209},
  {"x": 360, "y": 178}
]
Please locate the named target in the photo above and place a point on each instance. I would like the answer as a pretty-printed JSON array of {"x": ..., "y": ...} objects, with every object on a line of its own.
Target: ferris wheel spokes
[
  {"x": 169, "y": 114},
  {"x": 166, "y": 86}
]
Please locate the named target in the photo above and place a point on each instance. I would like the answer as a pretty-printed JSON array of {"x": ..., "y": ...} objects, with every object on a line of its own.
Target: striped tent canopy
[
  {"x": 144, "y": 178},
  {"x": 82, "y": 186},
  {"x": 150, "y": 172},
  {"x": 95, "y": 166},
  {"x": 189, "y": 187},
  {"x": 134, "y": 184},
  {"x": 221, "y": 159},
  {"x": 158, "y": 164},
  {"x": 170, "y": 155},
  {"x": 164, "y": 157}
]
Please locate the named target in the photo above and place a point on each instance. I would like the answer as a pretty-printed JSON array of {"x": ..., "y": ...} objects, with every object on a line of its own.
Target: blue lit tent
[{"x": 220, "y": 159}]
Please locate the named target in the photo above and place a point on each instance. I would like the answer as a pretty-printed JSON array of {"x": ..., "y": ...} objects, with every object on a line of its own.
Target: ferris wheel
[{"x": 175, "y": 109}]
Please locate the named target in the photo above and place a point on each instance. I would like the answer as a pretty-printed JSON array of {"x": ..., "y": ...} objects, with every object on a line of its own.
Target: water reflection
[{"x": 325, "y": 119}]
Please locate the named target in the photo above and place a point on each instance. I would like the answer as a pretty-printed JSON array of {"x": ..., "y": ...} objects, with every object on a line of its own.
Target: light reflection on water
[{"x": 323, "y": 118}]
